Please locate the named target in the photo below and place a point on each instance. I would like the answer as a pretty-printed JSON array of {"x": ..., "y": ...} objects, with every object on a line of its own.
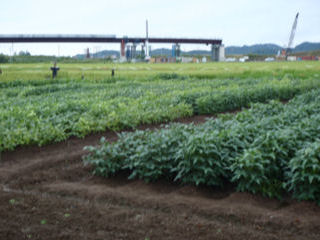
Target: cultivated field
[
  {"x": 36, "y": 110},
  {"x": 240, "y": 174}
]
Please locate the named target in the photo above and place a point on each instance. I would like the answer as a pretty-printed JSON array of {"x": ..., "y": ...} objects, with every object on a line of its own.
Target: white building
[
  {"x": 244, "y": 59},
  {"x": 230, "y": 59},
  {"x": 269, "y": 59},
  {"x": 291, "y": 58}
]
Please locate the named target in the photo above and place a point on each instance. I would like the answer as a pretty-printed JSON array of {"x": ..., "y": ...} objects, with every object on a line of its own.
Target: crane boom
[{"x": 293, "y": 31}]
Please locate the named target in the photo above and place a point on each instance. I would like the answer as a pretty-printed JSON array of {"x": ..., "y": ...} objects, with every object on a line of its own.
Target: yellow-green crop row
[{"x": 34, "y": 109}]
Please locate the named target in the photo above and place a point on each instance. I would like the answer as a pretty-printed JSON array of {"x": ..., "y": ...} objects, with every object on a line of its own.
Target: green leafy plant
[
  {"x": 258, "y": 150},
  {"x": 303, "y": 175},
  {"x": 35, "y": 110}
]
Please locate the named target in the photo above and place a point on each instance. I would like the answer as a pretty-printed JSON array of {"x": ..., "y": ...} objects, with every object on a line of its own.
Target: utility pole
[
  {"x": 147, "y": 41},
  {"x": 11, "y": 52}
]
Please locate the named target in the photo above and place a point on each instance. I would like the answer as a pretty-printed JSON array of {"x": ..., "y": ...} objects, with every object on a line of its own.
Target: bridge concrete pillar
[
  {"x": 134, "y": 51},
  {"x": 215, "y": 52},
  {"x": 142, "y": 51},
  {"x": 176, "y": 52},
  {"x": 122, "y": 49},
  {"x": 128, "y": 53}
]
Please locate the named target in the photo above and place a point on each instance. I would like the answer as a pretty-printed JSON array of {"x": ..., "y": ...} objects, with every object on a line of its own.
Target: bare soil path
[{"x": 47, "y": 193}]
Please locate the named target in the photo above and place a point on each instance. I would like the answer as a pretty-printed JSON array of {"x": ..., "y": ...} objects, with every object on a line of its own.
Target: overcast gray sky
[{"x": 236, "y": 22}]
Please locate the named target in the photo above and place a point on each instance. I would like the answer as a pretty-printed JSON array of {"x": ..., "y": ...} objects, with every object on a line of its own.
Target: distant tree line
[
  {"x": 22, "y": 53},
  {"x": 25, "y": 57},
  {"x": 4, "y": 58}
]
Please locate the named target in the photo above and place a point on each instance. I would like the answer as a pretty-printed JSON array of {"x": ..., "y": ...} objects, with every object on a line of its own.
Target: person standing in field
[{"x": 54, "y": 70}]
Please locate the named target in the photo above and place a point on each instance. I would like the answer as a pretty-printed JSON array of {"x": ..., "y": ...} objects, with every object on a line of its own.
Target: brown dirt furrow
[
  {"x": 183, "y": 209},
  {"x": 28, "y": 158}
]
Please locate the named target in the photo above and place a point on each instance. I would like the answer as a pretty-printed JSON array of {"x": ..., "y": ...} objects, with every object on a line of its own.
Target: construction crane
[{"x": 292, "y": 34}]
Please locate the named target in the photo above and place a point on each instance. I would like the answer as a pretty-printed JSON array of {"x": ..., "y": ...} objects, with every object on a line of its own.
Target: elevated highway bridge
[{"x": 123, "y": 41}]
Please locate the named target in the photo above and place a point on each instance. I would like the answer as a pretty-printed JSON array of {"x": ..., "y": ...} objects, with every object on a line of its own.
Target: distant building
[
  {"x": 230, "y": 59},
  {"x": 186, "y": 59},
  {"x": 291, "y": 58},
  {"x": 269, "y": 59},
  {"x": 152, "y": 60},
  {"x": 308, "y": 58},
  {"x": 174, "y": 60},
  {"x": 244, "y": 59},
  {"x": 163, "y": 60}
]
